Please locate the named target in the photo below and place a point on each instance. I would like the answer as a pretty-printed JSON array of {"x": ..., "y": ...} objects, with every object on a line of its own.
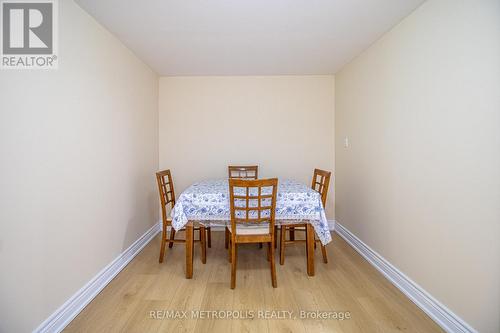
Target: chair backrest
[
  {"x": 320, "y": 183},
  {"x": 166, "y": 191},
  {"x": 243, "y": 171},
  {"x": 252, "y": 202}
]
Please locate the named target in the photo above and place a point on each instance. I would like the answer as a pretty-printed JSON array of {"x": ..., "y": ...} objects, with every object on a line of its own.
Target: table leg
[
  {"x": 203, "y": 242},
  {"x": 310, "y": 249},
  {"x": 189, "y": 250}
]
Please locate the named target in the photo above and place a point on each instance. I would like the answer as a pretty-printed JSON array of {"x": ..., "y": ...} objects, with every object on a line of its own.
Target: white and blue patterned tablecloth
[{"x": 208, "y": 202}]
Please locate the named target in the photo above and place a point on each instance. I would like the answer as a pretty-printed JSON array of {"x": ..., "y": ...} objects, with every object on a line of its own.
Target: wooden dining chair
[
  {"x": 320, "y": 183},
  {"x": 253, "y": 207},
  {"x": 167, "y": 198},
  {"x": 243, "y": 171}
]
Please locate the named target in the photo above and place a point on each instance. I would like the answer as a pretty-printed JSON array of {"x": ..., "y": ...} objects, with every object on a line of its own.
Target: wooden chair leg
[
  {"x": 233, "y": 265},
  {"x": 163, "y": 242},
  {"x": 172, "y": 236},
  {"x": 292, "y": 233},
  {"x": 229, "y": 250},
  {"x": 260, "y": 245},
  {"x": 203, "y": 244},
  {"x": 209, "y": 237},
  {"x": 269, "y": 251},
  {"x": 226, "y": 238},
  {"x": 282, "y": 244},
  {"x": 323, "y": 250},
  {"x": 275, "y": 236},
  {"x": 273, "y": 266}
]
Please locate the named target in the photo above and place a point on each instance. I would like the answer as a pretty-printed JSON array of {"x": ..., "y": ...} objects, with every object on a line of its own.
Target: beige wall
[
  {"x": 420, "y": 181},
  {"x": 78, "y": 149},
  {"x": 282, "y": 123}
]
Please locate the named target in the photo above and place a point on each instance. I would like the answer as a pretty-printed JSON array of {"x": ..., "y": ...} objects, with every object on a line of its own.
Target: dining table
[{"x": 207, "y": 202}]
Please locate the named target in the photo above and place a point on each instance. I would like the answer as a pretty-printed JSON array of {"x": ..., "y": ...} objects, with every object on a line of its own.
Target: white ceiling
[{"x": 248, "y": 37}]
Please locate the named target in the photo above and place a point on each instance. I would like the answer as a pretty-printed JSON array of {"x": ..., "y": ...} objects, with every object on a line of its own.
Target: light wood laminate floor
[{"x": 346, "y": 283}]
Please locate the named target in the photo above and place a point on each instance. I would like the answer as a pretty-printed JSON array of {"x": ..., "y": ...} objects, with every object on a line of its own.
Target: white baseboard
[
  {"x": 69, "y": 310},
  {"x": 443, "y": 316}
]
